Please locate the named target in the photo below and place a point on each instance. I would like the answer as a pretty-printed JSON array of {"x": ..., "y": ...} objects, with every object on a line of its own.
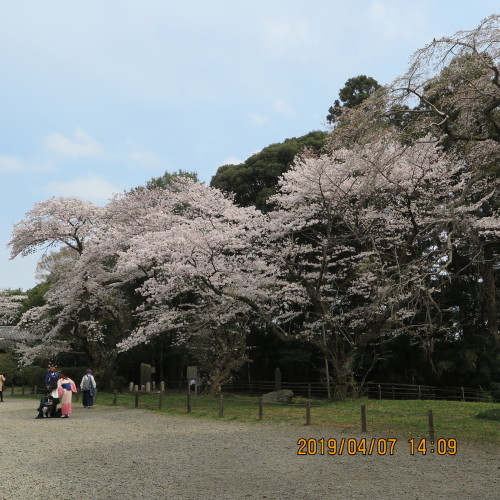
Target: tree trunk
[
  {"x": 343, "y": 358},
  {"x": 490, "y": 295}
]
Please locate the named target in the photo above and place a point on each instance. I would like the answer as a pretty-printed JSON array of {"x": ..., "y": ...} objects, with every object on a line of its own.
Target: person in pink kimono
[
  {"x": 2, "y": 382},
  {"x": 65, "y": 389}
]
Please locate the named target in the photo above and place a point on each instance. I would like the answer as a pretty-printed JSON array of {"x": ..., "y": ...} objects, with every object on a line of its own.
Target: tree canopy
[
  {"x": 256, "y": 179},
  {"x": 380, "y": 239},
  {"x": 352, "y": 94}
]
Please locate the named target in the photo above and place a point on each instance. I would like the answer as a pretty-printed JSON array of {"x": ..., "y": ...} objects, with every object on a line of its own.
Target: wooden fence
[
  {"x": 310, "y": 390},
  {"x": 261, "y": 408},
  {"x": 372, "y": 390},
  {"x": 376, "y": 390}
]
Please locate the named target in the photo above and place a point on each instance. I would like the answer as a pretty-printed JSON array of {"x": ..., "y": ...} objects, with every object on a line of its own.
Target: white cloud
[
  {"x": 287, "y": 37},
  {"x": 282, "y": 108},
  {"x": 93, "y": 187},
  {"x": 393, "y": 20},
  {"x": 144, "y": 158},
  {"x": 258, "y": 119},
  {"x": 82, "y": 145},
  {"x": 12, "y": 164}
]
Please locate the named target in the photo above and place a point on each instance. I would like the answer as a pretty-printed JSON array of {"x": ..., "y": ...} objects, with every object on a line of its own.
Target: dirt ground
[{"x": 116, "y": 453}]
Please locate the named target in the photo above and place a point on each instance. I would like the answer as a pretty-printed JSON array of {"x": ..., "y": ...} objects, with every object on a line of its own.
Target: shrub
[
  {"x": 493, "y": 414},
  {"x": 31, "y": 376}
]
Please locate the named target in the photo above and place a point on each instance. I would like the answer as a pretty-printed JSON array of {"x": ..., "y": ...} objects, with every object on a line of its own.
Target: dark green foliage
[
  {"x": 255, "y": 180},
  {"x": 166, "y": 179},
  {"x": 493, "y": 414},
  {"x": 8, "y": 366},
  {"x": 36, "y": 296},
  {"x": 31, "y": 376},
  {"x": 354, "y": 92}
]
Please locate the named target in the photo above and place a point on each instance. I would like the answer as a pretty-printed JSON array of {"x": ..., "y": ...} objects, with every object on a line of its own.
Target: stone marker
[{"x": 283, "y": 396}]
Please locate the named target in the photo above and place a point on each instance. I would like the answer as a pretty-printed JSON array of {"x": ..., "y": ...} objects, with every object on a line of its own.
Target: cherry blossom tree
[
  {"x": 56, "y": 221},
  {"x": 450, "y": 95},
  {"x": 451, "y": 90},
  {"x": 201, "y": 272},
  {"x": 353, "y": 236},
  {"x": 10, "y": 305},
  {"x": 366, "y": 242},
  {"x": 185, "y": 254}
]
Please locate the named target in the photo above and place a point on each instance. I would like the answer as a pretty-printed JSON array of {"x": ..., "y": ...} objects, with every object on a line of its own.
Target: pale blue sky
[{"x": 99, "y": 96}]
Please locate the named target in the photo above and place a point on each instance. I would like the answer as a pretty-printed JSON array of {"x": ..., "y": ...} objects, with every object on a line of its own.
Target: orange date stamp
[
  {"x": 374, "y": 446},
  {"x": 346, "y": 446}
]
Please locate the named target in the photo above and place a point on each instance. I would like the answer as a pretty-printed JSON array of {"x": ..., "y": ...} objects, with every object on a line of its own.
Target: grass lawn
[
  {"x": 405, "y": 419},
  {"x": 399, "y": 418}
]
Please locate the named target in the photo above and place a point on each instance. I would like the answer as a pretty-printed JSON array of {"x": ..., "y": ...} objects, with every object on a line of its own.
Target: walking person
[
  {"x": 2, "y": 383},
  {"x": 88, "y": 387},
  {"x": 66, "y": 387}
]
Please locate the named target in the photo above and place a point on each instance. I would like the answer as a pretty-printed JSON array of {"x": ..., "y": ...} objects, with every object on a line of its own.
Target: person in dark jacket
[
  {"x": 51, "y": 383},
  {"x": 46, "y": 405}
]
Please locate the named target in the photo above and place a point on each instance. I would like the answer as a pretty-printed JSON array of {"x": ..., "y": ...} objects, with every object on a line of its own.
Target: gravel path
[{"x": 116, "y": 453}]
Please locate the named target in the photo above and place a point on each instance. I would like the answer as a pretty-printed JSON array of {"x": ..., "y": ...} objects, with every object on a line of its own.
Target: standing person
[
  {"x": 204, "y": 382},
  {"x": 88, "y": 386},
  {"x": 51, "y": 380},
  {"x": 2, "y": 382},
  {"x": 65, "y": 387}
]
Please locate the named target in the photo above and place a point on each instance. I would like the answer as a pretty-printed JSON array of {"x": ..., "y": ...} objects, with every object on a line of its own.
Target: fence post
[
  {"x": 261, "y": 408},
  {"x": 309, "y": 391},
  {"x": 379, "y": 391},
  {"x": 221, "y": 405},
  {"x": 35, "y": 389},
  {"x": 363, "y": 418},
  {"x": 392, "y": 388},
  {"x": 308, "y": 413},
  {"x": 12, "y": 390},
  {"x": 431, "y": 425},
  {"x": 115, "y": 396},
  {"x": 136, "y": 405},
  {"x": 189, "y": 402},
  {"x": 160, "y": 400},
  {"x": 463, "y": 393},
  {"x": 419, "y": 392}
]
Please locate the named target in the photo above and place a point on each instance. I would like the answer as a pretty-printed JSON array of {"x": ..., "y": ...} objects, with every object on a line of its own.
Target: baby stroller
[{"x": 46, "y": 406}]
